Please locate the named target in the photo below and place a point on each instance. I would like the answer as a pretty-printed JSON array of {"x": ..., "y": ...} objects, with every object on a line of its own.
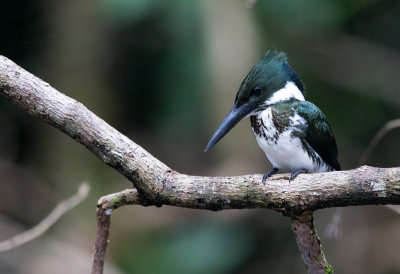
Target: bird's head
[{"x": 270, "y": 81}]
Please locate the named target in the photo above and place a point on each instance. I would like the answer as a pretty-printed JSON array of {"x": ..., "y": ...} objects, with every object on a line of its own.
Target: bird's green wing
[{"x": 318, "y": 133}]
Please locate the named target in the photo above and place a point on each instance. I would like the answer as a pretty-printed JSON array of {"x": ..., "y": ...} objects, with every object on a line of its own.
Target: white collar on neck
[{"x": 289, "y": 91}]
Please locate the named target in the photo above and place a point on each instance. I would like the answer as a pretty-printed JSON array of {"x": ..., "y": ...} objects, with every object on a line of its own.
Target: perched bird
[{"x": 293, "y": 132}]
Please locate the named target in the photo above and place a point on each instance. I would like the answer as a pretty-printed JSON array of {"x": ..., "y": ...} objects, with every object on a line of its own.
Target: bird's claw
[
  {"x": 294, "y": 174},
  {"x": 269, "y": 174}
]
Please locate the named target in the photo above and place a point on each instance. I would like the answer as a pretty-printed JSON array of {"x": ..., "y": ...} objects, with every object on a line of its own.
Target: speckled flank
[{"x": 274, "y": 133}]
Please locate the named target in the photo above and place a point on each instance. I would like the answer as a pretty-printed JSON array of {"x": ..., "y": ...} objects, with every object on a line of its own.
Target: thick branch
[
  {"x": 158, "y": 184},
  {"x": 161, "y": 185}
]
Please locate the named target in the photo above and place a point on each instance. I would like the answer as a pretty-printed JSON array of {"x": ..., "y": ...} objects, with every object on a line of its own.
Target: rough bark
[
  {"x": 309, "y": 244},
  {"x": 159, "y": 185},
  {"x": 102, "y": 233}
]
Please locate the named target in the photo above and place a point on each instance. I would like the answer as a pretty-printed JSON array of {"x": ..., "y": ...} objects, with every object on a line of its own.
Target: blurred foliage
[
  {"x": 194, "y": 248},
  {"x": 159, "y": 72},
  {"x": 163, "y": 70}
]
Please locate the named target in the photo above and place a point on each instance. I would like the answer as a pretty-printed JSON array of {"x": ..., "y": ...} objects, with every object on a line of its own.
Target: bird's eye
[{"x": 256, "y": 91}]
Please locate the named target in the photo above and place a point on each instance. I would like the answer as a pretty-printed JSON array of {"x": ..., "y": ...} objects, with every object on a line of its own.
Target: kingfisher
[{"x": 293, "y": 133}]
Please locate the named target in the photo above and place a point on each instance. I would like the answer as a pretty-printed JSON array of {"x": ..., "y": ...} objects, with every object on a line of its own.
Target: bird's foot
[
  {"x": 297, "y": 172},
  {"x": 269, "y": 174}
]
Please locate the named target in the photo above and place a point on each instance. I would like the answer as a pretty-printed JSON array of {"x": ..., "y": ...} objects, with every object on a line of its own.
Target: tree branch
[
  {"x": 309, "y": 244},
  {"x": 159, "y": 185},
  {"x": 105, "y": 207},
  {"x": 102, "y": 234}
]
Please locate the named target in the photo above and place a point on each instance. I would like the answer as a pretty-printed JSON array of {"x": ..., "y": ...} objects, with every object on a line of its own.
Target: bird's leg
[
  {"x": 269, "y": 174},
  {"x": 297, "y": 172}
]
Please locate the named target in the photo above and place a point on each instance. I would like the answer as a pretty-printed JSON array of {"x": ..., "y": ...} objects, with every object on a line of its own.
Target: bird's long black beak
[{"x": 234, "y": 116}]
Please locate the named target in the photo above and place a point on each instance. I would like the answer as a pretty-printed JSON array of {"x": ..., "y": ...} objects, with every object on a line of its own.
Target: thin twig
[
  {"x": 389, "y": 126},
  {"x": 38, "y": 230}
]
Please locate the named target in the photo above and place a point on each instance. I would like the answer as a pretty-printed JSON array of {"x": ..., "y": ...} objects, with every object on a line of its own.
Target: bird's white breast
[{"x": 284, "y": 150}]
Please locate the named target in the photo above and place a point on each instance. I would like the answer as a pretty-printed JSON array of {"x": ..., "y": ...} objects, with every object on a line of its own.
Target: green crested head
[
  {"x": 269, "y": 77},
  {"x": 270, "y": 81}
]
